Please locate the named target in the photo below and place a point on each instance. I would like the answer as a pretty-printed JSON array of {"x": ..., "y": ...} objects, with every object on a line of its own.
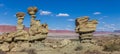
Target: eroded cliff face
[{"x": 85, "y": 28}]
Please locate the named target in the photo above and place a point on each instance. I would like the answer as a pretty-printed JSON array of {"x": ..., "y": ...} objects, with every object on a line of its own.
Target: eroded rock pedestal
[
  {"x": 37, "y": 31},
  {"x": 85, "y": 28}
]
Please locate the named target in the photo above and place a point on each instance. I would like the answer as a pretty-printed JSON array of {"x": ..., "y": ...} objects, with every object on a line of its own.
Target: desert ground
[{"x": 67, "y": 43}]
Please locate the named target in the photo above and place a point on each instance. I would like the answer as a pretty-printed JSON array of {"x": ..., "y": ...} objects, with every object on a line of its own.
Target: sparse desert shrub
[
  {"x": 109, "y": 43},
  {"x": 100, "y": 43},
  {"x": 78, "y": 48},
  {"x": 93, "y": 52},
  {"x": 112, "y": 45}
]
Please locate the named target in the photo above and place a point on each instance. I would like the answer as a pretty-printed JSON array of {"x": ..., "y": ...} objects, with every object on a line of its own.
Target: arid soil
[{"x": 65, "y": 46}]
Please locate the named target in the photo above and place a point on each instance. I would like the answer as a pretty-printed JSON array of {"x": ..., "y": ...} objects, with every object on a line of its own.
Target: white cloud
[
  {"x": 63, "y": 14},
  {"x": 45, "y": 12},
  {"x": 1, "y": 5},
  {"x": 97, "y": 13},
  {"x": 71, "y": 19}
]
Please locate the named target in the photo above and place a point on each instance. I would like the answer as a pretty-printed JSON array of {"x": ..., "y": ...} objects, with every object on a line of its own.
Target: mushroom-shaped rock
[
  {"x": 20, "y": 15},
  {"x": 32, "y": 10},
  {"x": 85, "y": 27}
]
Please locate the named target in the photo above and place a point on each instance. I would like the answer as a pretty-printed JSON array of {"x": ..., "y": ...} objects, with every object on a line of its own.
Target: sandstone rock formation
[
  {"x": 36, "y": 32},
  {"x": 85, "y": 28}
]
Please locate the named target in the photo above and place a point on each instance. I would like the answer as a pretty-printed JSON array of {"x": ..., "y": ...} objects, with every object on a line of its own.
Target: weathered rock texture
[
  {"x": 36, "y": 32},
  {"x": 85, "y": 28}
]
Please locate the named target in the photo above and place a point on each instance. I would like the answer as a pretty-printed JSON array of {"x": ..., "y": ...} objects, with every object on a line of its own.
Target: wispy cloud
[
  {"x": 107, "y": 27},
  {"x": 101, "y": 28},
  {"x": 105, "y": 16},
  {"x": 70, "y": 19},
  {"x": 69, "y": 25},
  {"x": 68, "y": 28},
  {"x": 97, "y": 13},
  {"x": 42, "y": 12},
  {"x": 53, "y": 29},
  {"x": 14, "y": 15},
  {"x": 110, "y": 26},
  {"x": 5, "y": 13},
  {"x": 1, "y": 5},
  {"x": 101, "y": 18},
  {"x": 63, "y": 14}
]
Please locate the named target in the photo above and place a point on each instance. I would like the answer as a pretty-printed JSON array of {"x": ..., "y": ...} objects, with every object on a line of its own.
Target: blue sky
[{"x": 60, "y": 14}]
